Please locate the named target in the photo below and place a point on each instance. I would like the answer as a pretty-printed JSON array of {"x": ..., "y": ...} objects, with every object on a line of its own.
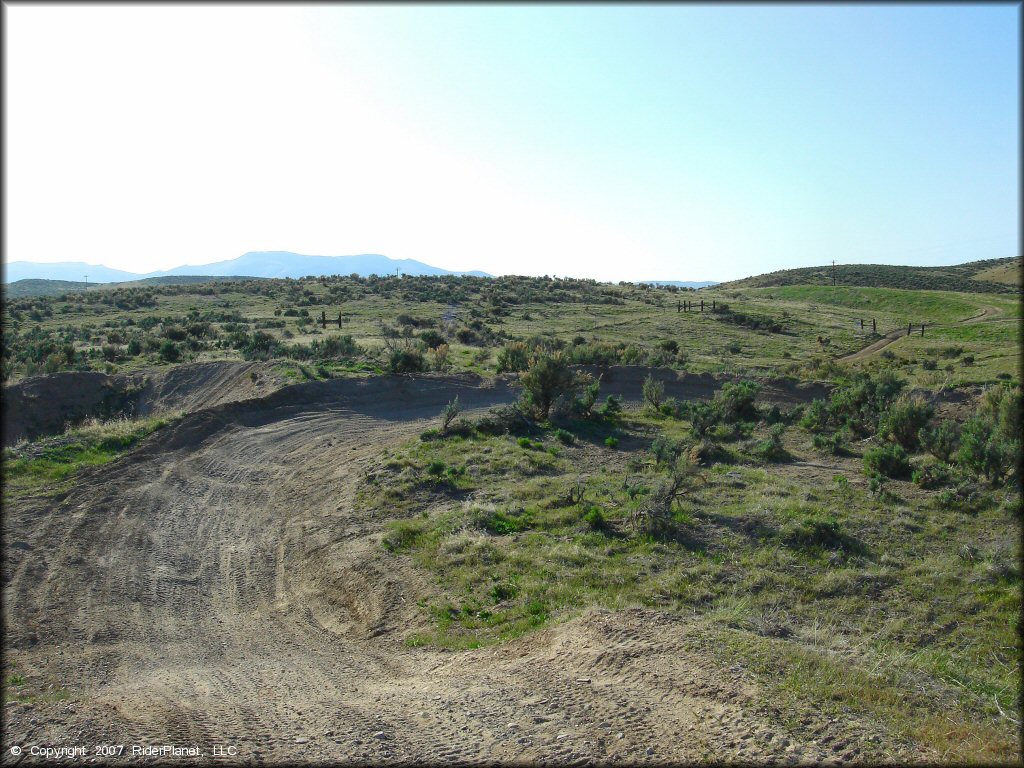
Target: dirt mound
[
  {"x": 47, "y": 405},
  {"x": 44, "y": 405},
  {"x": 202, "y": 385}
]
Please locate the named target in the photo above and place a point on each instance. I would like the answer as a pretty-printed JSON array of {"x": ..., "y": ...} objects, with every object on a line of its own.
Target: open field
[{"x": 750, "y": 552}]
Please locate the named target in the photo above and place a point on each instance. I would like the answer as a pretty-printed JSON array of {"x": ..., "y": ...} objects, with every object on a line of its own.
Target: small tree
[
  {"x": 547, "y": 379},
  {"x": 584, "y": 404},
  {"x": 653, "y": 391},
  {"x": 654, "y": 515},
  {"x": 449, "y": 413}
]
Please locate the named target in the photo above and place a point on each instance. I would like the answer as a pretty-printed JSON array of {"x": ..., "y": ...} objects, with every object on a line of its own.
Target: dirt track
[
  {"x": 218, "y": 586},
  {"x": 985, "y": 315}
]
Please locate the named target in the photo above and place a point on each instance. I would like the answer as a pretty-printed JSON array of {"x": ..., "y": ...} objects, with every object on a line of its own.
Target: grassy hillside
[
  {"x": 26, "y": 288},
  {"x": 1009, "y": 274},
  {"x": 451, "y": 323},
  {"x": 29, "y": 288},
  {"x": 972, "y": 277}
]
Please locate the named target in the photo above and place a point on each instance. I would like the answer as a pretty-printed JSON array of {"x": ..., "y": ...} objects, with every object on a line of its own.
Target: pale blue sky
[{"x": 616, "y": 142}]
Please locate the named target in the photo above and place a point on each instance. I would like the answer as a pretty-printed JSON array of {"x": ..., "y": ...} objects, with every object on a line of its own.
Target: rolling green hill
[{"x": 971, "y": 277}]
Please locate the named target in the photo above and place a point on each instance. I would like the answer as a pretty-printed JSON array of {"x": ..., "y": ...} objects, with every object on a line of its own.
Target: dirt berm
[
  {"x": 218, "y": 587},
  {"x": 46, "y": 405}
]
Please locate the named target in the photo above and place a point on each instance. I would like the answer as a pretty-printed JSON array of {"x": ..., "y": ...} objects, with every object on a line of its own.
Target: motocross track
[{"x": 217, "y": 585}]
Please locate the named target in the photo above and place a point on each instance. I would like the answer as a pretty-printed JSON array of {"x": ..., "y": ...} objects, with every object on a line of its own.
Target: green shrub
[
  {"x": 904, "y": 420},
  {"x": 513, "y": 357},
  {"x": 169, "y": 351},
  {"x": 835, "y": 443},
  {"x": 702, "y": 417},
  {"x": 932, "y": 475},
  {"x": 612, "y": 407},
  {"x": 771, "y": 449},
  {"x": 611, "y": 442},
  {"x": 984, "y": 452},
  {"x": 889, "y": 459},
  {"x": 814, "y": 532},
  {"x": 942, "y": 440},
  {"x": 431, "y": 338},
  {"x": 735, "y": 400},
  {"x": 436, "y": 468},
  {"x": 501, "y": 523},
  {"x": 666, "y": 450},
  {"x": 861, "y": 401},
  {"x": 564, "y": 436},
  {"x": 175, "y": 333},
  {"x": 671, "y": 407},
  {"x": 502, "y": 420},
  {"x": 547, "y": 379},
  {"x": 406, "y": 361},
  {"x": 594, "y": 519},
  {"x": 653, "y": 392},
  {"x": 449, "y": 413},
  {"x": 584, "y": 404}
]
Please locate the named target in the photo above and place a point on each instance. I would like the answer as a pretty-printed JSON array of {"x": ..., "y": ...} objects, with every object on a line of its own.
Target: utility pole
[{"x": 87, "y": 282}]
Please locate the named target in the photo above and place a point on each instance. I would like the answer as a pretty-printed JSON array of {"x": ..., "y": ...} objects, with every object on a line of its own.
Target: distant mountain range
[
  {"x": 681, "y": 283},
  {"x": 253, "y": 264}
]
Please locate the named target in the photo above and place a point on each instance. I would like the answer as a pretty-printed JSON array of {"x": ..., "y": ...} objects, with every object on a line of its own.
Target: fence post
[
  {"x": 909, "y": 325},
  {"x": 922, "y": 329},
  {"x": 339, "y": 319},
  {"x": 862, "y": 323},
  {"x": 702, "y": 305},
  {"x": 873, "y": 328},
  {"x": 323, "y": 319},
  {"x": 712, "y": 304},
  {"x": 679, "y": 307}
]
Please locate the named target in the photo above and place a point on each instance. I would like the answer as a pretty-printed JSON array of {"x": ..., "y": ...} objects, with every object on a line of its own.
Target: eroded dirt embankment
[
  {"x": 219, "y": 585},
  {"x": 46, "y": 405}
]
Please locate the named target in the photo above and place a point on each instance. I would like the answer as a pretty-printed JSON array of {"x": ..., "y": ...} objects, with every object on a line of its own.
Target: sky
[{"x": 672, "y": 142}]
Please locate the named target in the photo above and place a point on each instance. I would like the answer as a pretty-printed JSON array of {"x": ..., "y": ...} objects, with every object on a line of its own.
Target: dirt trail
[
  {"x": 218, "y": 586},
  {"x": 881, "y": 343},
  {"x": 986, "y": 314}
]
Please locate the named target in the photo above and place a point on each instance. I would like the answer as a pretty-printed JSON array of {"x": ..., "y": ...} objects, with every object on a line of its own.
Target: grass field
[
  {"x": 765, "y": 330},
  {"x": 891, "y": 604}
]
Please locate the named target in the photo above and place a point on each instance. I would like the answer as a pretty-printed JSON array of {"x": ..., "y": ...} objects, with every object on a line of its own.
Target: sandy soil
[{"x": 218, "y": 586}]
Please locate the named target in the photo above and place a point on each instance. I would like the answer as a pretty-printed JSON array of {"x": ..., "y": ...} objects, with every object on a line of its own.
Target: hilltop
[{"x": 987, "y": 276}]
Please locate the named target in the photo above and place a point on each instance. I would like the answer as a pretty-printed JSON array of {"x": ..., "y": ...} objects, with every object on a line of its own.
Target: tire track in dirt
[{"x": 218, "y": 585}]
